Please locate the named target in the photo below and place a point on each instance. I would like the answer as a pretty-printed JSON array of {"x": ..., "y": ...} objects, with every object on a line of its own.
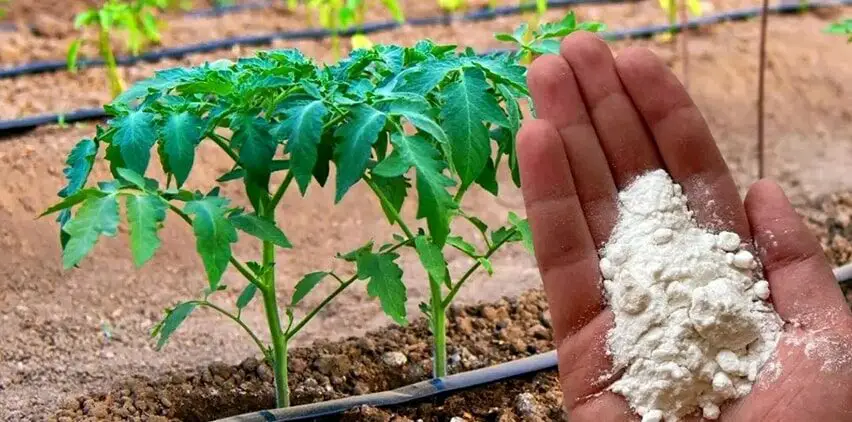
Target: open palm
[{"x": 602, "y": 121}]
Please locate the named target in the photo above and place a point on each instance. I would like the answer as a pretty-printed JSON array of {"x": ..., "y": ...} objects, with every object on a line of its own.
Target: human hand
[{"x": 603, "y": 121}]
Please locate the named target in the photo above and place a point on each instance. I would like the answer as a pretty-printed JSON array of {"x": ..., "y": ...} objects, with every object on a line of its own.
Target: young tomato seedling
[
  {"x": 340, "y": 15},
  {"x": 532, "y": 43},
  {"x": 138, "y": 21},
  {"x": 843, "y": 27}
]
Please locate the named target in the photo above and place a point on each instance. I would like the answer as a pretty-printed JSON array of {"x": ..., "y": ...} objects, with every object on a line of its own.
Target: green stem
[
  {"x": 279, "y": 340},
  {"x": 439, "y": 330},
  {"x": 298, "y": 327},
  {"x": 223, "y": 143},
  {"x": 279, "y": 193},
  {"x": 263, "y": 349},
  {"x": 455, "y": 290},
  {"x": 389, "y": 207},
  {"x": 116, "y": 85}
]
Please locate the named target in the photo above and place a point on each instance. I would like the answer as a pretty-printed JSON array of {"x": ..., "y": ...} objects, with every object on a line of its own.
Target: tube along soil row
[
  {"x": 44, "y": 66},
  {"x": 431, "y": 389},
  {"x": 12, "y": 127}
]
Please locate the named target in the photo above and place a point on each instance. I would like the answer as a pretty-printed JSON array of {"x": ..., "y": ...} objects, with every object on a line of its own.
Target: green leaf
[
  {"x": 523, "y": 228},
  {"x": 422, "y": 121},
  {"x": 424, "y": 78},
  {"x": 85, "y": 18},
  {"x": 78, "y": 166},
  {"x": 73, "y": 53},
  {"x": 507, "y": 38},
  {"x": 174, "y": 318},
  {"x": 131, "y": 176},
  {"x": 488, "y": 178},
  {"x": 303, "y": 130},
  {"x": 305, "y": 285},
  {"x": 72, "y": 200},
  {"x": 97, "y": 216},
  {"x": 462, "y": 245},
  {"x": 145, "y": 214},
  {"x": 432, "y": 259},
  {"x": 261, "y": 228},
  {"x": 352, "y": 256},
  {"x": 246, "y": 296},
  {"x": 353, "y": 152},
  {"x": 134, "y": 136},
  {"x": 435, "y": 203},
  {"x": 181, "y": 133},
  {"x": 486, "y": 264},
  {"x": 467, "y": 103},
  {"x": 257, "y": 148},
  {"x": 214, "y": 234},
  {"x": 385, "y": 283}
]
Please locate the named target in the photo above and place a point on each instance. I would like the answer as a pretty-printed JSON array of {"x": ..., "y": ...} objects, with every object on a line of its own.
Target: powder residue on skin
[{"x": 692, "y": 324}]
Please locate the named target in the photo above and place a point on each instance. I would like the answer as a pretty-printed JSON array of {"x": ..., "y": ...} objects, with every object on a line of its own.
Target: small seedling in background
[
  {"x": 843, "y": 27},
  {"x": 4, "y": 4},
  {"x": 671, "y": 8},
  {"x": 137, "y": 20},
  {"x": 340, "y": 15},
  {"x": 452, "y": 6},
  {"x": 546, "y": 39}
]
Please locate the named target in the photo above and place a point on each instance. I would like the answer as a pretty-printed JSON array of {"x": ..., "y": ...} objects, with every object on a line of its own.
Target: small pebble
[
  {"x": 761, "y": 289},
  {"x": 729, "y": 362},
  {"x": 744, "y": 260},
  {"x": 722, "y": 383},
  {"x": 728, "y": 241},
  {"x": 607, "y": 269},
  {"x": 394, "y": 359}
]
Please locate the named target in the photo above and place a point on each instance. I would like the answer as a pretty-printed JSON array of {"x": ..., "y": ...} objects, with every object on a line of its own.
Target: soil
[{"x": 73, "y": 333}]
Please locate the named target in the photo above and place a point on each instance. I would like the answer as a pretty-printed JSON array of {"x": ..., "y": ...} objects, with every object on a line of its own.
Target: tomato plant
[
  {"x": 426, "y": 119},
  {"x": 338, "y": 15},
  {"x": 843, "y": 27},
  {"x": 545, "y": 39},
  {"x": 3, "y": 5},
  {"x": 670, "y": 8},
  {"x": 138, "y": 21}
]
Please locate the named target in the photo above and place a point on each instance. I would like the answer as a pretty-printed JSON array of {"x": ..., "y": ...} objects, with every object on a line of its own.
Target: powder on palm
[{"x": 693, "y": 327}]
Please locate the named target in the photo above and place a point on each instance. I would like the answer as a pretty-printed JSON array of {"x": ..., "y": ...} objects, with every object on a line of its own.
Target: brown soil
[{"x": 76, "y": 332}]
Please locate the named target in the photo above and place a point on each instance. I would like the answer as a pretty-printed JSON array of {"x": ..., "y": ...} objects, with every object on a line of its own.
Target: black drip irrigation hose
[
  {"x": 304, "y": 34},
  {"x": 431, "y": 389},
  {"x": 16, "y": 126}
]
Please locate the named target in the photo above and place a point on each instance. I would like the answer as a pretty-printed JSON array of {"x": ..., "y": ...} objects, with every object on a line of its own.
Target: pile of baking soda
[{"x": 692, "y": 324}]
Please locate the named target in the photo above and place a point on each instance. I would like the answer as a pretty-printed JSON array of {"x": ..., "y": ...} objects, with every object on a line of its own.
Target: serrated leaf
[
  {"x": 174, "y": 318},
  {"x": 432, "y": 259},
  {"x": 132, "y": 177},
  {"x": 424, "y": 78},
  {"x": 467, "y": 104},
  {"x": 488, "y": 178},
  {"x": 97, "y": 216},
  {"x": 145, "y": 214},
  {"x": 303, "y": 131},
  {"x": 72, "y": 200},
  {"x": 134, "y": 136},
  {"x": 435, "y": 203},
  {"x": 214, "y": 234},
  {"x": 181, "y": 133},
  {"x": 486, "y": 264},
  {"x": 357, "y": 137},
  {"x": 305, "y": 285},
  {"x": 353, "y": 255},
  {"x": 261, "y": 228},
  {"x": 385, "y": 282},
  {"x": 246, "y": 296},
  {"x": 524, "y": 230},
  {"x": 462, "y": 245},
  {"x": 423, "y": 122},
  {"x": 257, "y": 148}
]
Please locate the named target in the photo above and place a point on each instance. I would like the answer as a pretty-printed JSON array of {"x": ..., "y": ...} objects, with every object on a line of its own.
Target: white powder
[{"x": 692, "y": 327}]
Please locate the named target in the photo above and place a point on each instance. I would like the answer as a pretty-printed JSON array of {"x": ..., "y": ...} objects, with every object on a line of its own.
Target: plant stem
[
  {"x": 455, "y": 290},
  {"x": 263, "y": 349},
  {"x": 279, "y": 341},
  {"x": 223, "y": 143},
  {"x": 116, "y": 85},
  {"x": 439, "y": 330},
  {"x": 389, "y": 207},
  {"x": 279, "y": 193},
  {"x": 298, "y": 327},
  {"x": 764, "y": 17}
]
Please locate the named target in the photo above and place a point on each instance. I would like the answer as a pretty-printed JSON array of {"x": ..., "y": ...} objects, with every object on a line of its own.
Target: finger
[
  {"x": 622, "y": 134},
  {"x": 564, "y": 249},
  {"x": 801, "y": 283},
  {"x": 607, "y": 407},
  {"x": 684, "y": 141},
  {"x": 557, "y": 99},
  {"x": 585, "y": 367}
]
